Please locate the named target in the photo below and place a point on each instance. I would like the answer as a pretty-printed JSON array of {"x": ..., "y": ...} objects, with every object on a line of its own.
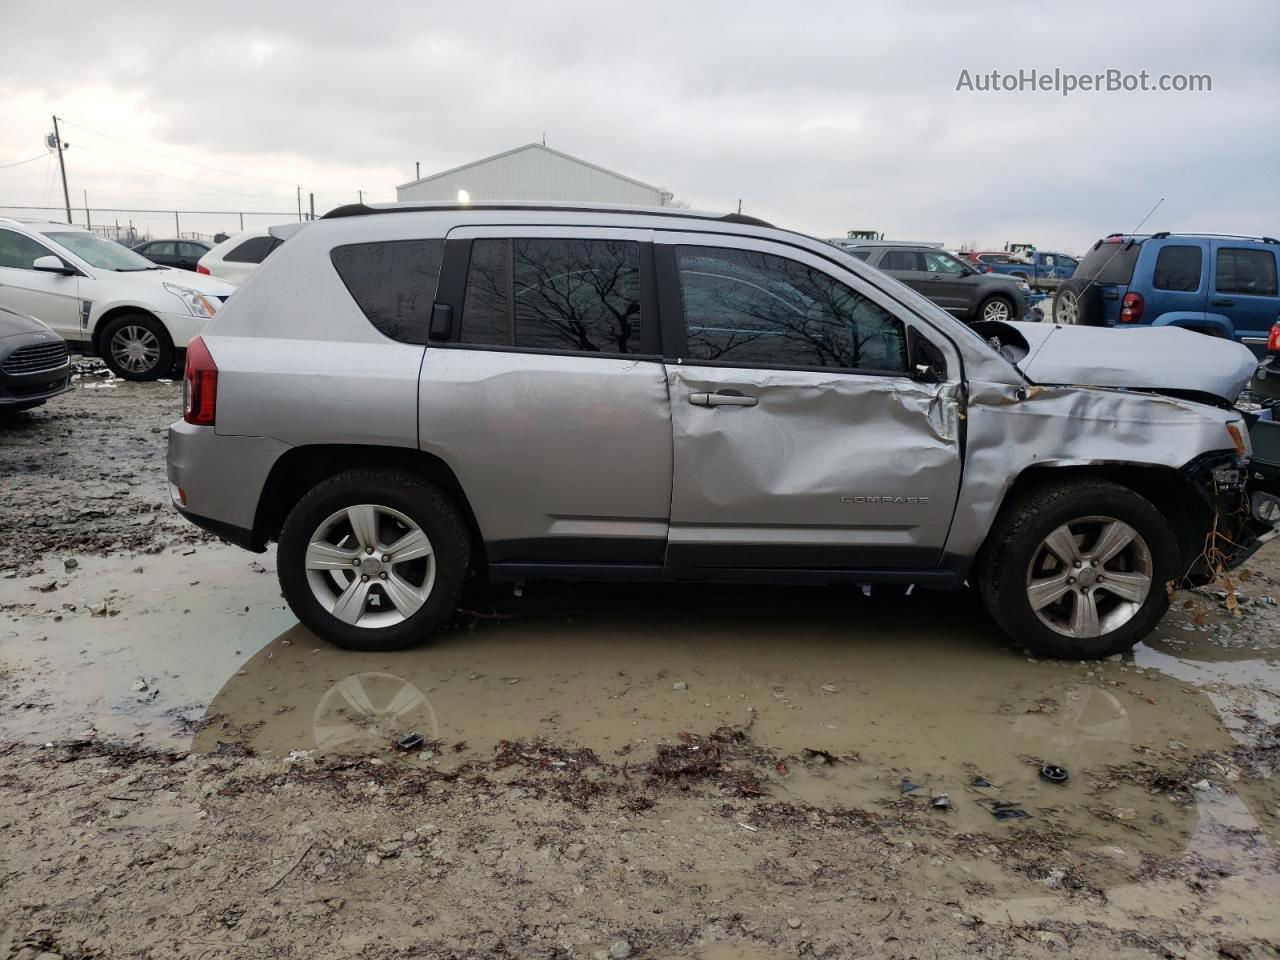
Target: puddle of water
[{"x": 178, "y": 628}]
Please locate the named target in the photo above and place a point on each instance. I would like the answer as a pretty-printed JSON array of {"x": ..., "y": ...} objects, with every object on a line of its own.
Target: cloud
[{"x": 820, "y": 116}]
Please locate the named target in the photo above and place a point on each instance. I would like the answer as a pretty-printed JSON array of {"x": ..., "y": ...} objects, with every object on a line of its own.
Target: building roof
[{"x": 534, "y": 146}]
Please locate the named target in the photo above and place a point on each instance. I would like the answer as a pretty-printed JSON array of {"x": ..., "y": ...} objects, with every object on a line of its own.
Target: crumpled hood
[{"x": 1143, "y": 358}]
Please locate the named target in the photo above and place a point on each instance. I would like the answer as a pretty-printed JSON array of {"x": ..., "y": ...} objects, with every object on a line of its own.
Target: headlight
[{"x": 197, "y": 303}]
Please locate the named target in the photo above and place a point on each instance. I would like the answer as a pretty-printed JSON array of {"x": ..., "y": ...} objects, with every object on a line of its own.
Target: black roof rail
[
  {"x": 1164, "y": 234},
  {"x": 363, "y": 209}
]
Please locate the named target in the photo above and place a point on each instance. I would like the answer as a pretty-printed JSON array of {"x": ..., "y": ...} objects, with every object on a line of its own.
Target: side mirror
[
  {"x": 925, "y": 373},
  {"x": 51, "y": 264}
]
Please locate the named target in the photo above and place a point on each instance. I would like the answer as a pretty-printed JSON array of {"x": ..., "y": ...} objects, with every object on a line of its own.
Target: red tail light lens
[
  {"x": 1273, "y": 341},
  {"x": 199, "y": 385},
  {"x": 1131, "y": 308},
  {"x": 204, "y": 270}
]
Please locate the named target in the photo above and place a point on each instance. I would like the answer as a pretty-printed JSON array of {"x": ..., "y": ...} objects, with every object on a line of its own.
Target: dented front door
[{"x": 793, "y": 447}]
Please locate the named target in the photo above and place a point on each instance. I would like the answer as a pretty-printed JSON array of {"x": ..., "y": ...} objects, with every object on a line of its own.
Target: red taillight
[
  {"x": 204, "y": 270},
  {"x": 200, "y": 385},
  {"x": 1131, "y": 308},
  {"x": 1273, "y": 341}
]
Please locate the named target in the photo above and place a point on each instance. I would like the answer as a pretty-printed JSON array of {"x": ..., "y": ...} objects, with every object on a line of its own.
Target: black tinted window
[
  {"x": 20, "y": 251},
  {"x": 394, "y": 283},
  {"x": 1109, "y": 263},
  {"x": 1178, "y": 268},
  {"x": 901, "y": 260},
  {"x": 556, "y": 294},
  {"x": 253, "y": 250},
  {"x": 192, "y": 250},
  {"x": 861, "y": 254},
  {"x": 1251, "y": 272},
  {"x": 758, "y": 309}
]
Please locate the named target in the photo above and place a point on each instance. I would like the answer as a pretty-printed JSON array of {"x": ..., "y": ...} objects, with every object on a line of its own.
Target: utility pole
[
  {"x": 417, "y": 170},
  {"x": 62, "y": 165},
  {"x": 87, "y": 221},
  {"x": 242, "y": 222},
  {"x": 739, "y": 204},
  {"x": 177, "y": 228},
  {"x": 299, "y": 203},
  {"x": 361, "y": 192},
  {"x": 313, "y": 206}
]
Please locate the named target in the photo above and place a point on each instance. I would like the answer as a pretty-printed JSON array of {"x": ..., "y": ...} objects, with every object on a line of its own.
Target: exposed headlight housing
[{"x": 198, "y": 304}]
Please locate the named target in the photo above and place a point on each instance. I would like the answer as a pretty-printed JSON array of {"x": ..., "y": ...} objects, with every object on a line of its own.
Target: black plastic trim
[
  {"x": 578, "y": 550},
  {"x": 670, "y": 303},
  {"x": 240, "y": 536},
  {"x": 507, "y": 572},
  {"x": 783, "y": 556},
  {"x": 364, "y": 210}
]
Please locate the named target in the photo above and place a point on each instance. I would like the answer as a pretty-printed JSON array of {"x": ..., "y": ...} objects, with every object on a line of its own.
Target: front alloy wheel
[
  {"x": 997, "y": 308},
  {"x": 1089, "y": 577}
]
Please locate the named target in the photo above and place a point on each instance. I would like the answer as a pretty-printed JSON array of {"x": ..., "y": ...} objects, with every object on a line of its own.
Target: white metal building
[{"x": 532, "y": 173}]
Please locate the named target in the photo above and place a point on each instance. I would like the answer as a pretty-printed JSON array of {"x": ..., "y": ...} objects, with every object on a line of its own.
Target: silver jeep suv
[{"x": 408, "y": 396}]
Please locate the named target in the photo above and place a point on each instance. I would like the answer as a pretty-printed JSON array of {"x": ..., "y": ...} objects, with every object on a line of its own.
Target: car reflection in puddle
[{"x": 852, "y": 696}]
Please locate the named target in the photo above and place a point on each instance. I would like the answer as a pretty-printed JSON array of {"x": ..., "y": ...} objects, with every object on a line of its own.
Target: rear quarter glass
[
  {"x": 1110, "y": 263},
  {"x": 393, "y": 282}
]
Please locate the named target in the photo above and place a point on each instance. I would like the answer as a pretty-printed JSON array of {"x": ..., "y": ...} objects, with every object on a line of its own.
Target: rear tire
[
  {"x": 365, "y": 599},
  {"x": 1024, "y": 577},
  {"x": 136, "y": 346}
]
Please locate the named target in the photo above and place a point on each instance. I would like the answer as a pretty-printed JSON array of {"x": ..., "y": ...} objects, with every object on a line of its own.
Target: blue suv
[{"x": 1217, "y": 284}]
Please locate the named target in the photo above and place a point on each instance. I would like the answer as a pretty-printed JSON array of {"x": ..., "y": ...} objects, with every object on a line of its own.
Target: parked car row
[{"x": 1040, "y": 270}]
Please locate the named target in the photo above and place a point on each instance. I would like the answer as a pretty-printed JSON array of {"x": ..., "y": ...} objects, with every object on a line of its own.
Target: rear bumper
[{"x": 216, "y": 481}]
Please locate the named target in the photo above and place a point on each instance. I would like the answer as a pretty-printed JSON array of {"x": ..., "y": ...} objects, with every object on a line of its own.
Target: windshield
[{"x": 104, "y": 254}]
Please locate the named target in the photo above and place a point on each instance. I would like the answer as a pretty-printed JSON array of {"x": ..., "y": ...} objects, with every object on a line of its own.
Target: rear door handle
[
  {"x": 1223, "y": 302},
  {"x": 721, "y": 400}
]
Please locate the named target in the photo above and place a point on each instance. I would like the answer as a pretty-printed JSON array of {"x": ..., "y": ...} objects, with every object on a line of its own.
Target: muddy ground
[{"x": 603, "y": 771}]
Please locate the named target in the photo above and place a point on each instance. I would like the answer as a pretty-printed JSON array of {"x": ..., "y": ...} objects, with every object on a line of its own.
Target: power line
[
  {"x": 168, "y": 176},
  {"x": 5, "y": 166},
  {"x": 169, "y": 156}
]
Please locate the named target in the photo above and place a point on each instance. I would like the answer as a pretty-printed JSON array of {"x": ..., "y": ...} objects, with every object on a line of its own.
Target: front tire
[
  {"x": 373, "y": 559},
  {"x": 996, "y": 308},
  {"x": 1076, "y": 570},
  {"x": 136, "y": 346}
]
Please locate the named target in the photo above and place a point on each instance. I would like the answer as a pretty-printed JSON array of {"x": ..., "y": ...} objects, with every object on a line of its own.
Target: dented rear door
[{"x": 799, "y": 438}]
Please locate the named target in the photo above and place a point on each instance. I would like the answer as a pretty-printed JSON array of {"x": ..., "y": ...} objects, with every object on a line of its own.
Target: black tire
[
  {"x": 426, "y": 505},
  {"x": 159, "y": 366},
  {"x": 1088, "y": 304},
  {"x": 1017, "y": 535},
  {"x": 1010, "y": 306}
]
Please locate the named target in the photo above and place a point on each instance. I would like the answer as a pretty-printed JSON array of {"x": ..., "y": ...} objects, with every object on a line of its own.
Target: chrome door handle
[{"x": 721, "y": 400}]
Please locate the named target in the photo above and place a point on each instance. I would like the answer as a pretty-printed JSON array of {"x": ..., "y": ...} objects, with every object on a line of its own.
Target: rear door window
[
  {"x": 1245, "y": 271},
  {"x": 393, "y": 282},
  {"x": 902, "y": 260},
  {"x": 253, "y": 250},
  {"x": 754, "y": 309},
  {"x": 1110, "y": 263},
  {"x": 191, "y": 251},
  {"x": 1178, "y": 268},
  {"x": 555, "y": 293}
]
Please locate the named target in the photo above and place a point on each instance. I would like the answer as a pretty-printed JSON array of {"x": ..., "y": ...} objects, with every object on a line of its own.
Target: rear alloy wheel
[
  {"x": 137, "y": 347},
  {"x": 996, "y": 308},
  {"x": 373, "y": 559},
  {"x": 1077, "y": 569}
]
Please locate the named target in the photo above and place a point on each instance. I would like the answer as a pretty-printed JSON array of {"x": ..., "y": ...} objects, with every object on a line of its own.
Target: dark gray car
[
  {"x": 34, "y": 362},
  {"x": 950, "y": 282}
]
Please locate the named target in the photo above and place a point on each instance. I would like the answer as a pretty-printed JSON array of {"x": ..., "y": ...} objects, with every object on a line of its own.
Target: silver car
[{"x": 405, "y": 396}]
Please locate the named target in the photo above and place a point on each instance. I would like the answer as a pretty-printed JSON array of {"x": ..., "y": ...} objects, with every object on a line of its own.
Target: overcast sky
[{"x": 820, "y": 116}]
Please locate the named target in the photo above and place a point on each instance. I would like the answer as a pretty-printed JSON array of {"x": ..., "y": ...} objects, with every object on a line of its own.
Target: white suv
[
  {"x": 236, "y": 258},
  {"x": 104, "y": 298}
]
